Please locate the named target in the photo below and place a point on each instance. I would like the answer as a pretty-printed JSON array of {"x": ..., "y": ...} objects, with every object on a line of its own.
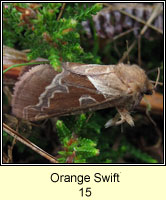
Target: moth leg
[
  {"x": 113, "y": 121},
  {"x": 125, "y": 116}
]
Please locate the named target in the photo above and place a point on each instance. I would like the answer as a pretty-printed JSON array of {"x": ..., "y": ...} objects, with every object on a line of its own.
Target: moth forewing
[
  {"x": 103, "y": 77},
  {"x": 88, "y": 69}
]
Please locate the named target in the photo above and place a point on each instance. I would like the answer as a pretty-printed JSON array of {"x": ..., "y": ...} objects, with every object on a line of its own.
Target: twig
[
  {"x": 31, "y": 145},
  {"x": 124, "y": 33},
  {"x": 10, "y": 151},
  {"x": 127, "y": 52},
  {"x": 154, "y": 14},
  {"x": 158, "y": 143},
  {"x": 152, "y": 70},
  {"x": 90, "y": 115},
  {"x": 127, "y": 44},
  {"x": 116, "y": 49},
  {"x": 61, "y": 12},
  {"x": 139, "y": 50},
  {"x": 159, "y": 83}
]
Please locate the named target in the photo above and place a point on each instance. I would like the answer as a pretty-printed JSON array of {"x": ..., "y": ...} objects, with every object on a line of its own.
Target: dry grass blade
[{"x": 31, "y": 145}]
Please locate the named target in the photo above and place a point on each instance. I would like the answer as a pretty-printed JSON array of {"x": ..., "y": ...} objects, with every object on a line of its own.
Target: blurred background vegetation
[{"x": 74, "y": 32}]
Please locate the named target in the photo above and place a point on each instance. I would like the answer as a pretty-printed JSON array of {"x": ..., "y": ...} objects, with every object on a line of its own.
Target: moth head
[
  {"x": 135, "y": 79},
  {"x": 148, "y": 88}
]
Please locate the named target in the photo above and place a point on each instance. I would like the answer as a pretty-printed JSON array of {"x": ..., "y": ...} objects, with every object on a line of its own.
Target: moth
[{"x": 42, "y": 92}]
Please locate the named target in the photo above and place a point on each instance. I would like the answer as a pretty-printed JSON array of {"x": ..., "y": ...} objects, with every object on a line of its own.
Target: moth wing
[
  {"x": 109, "y": 85},
  {"x": 42, "y": 93},
  {"x": 88, "y": 69},
  {"x": 103, "y": 78},
  {"x": 11, "y": 57},
  {"x": 29, "y": 87}
]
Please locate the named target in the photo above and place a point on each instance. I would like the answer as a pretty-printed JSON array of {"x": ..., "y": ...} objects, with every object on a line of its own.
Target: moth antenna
[
  {"x": 159, "y": 83},
  {"x": 157, "y": 79}
]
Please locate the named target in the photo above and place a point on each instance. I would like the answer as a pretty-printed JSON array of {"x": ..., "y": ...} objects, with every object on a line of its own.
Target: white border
[{"x": 82, "y": 164}]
